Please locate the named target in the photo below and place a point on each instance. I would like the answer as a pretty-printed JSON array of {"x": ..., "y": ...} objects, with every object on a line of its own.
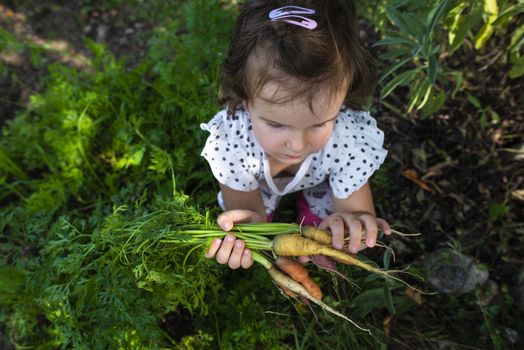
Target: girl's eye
[
  {"x": 273, "y": 125},
  {"x": 319, "y": 125}
]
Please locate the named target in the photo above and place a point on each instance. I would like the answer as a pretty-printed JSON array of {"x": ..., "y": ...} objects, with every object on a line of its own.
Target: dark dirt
[
  {"x": 469, "y": 170},
  {"x": 62, "y": 26}
]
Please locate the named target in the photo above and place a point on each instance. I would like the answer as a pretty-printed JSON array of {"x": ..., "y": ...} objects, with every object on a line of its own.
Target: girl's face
[{"x": 290, "y": 131}]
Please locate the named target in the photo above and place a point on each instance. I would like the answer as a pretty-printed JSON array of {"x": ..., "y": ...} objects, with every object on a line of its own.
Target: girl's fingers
[
  {"x": 227, "y": 219},
  {"x": 324, "y": 224},
  {"x": 247, "y": 260},
  {"x": 224, "y": 252},
  {"x": 336, "y": 226},
  {"x": 355, "y": 235},
  {"x": 362, "y": 246},
  {"x": 225, "y": 222},
  {"x": 384, "y": 226},
  {"x": 232, "y": 251},
  {"x": 213, "y": 248},
  {"x": 234, "y": 261},
  {"x": 356, "y": 225},
  {"x": 370, "y": 223}
]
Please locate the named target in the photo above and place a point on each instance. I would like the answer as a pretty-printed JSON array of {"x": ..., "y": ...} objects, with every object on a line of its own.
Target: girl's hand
[
  {"x": 359, "y": 225},
  {"x": 232, "y": 251}
]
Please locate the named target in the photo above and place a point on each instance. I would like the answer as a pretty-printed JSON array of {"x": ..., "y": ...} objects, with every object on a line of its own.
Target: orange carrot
[
  {"x": 286, "y": 282},
  {"x": 296, "y": 271},
  {"x": 312, "y": 288},
  {"x": 293, "y": 268}
]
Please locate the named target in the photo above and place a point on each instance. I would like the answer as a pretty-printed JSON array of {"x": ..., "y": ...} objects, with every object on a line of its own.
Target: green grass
[{"x": 104, "y": 161}]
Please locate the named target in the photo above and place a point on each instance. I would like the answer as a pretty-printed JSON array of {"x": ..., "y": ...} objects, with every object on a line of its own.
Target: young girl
[{"x": 293, "y": 72}]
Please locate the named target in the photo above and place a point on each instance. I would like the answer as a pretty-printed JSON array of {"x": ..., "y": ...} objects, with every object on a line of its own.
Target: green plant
[
  {"x": 416, "y": 46},
  {"x": 487, "y": 114},
  {"x": 497, "y": 210},
  {"x": 100, "y": 137},
  {"x": 88, "y": 192},
  {"x": 463, "y": 17}
]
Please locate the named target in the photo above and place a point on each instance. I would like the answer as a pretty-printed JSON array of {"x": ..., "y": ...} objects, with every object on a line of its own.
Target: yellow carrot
[
  {"x": 316, "y": 234},
  {"x": 296, "y": 245}
]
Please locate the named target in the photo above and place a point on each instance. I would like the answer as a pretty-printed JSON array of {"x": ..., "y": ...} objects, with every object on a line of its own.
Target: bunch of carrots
[{"x": 276, "y": 254}]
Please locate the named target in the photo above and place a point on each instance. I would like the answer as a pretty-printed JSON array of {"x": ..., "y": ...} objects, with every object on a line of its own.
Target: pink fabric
[{"x": 305, "y": 216}]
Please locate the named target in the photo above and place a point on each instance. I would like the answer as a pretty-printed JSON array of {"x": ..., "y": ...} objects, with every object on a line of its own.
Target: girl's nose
[{"x": 296, "y": 143}]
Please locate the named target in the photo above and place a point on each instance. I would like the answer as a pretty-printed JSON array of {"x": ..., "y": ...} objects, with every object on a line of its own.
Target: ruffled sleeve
[
  {"x": 356, "y": 152},
  {"x": 232, "y": 164}
]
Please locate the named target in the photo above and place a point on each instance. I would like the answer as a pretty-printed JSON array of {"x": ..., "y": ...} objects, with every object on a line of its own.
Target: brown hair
[{"x": 329, "y": 56}]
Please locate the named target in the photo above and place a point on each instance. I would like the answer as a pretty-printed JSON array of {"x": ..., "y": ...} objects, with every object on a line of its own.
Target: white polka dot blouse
[{"x": 352, "y": 154}]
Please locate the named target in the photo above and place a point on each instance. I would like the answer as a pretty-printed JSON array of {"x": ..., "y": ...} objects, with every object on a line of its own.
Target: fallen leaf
[
  {"x": 414, "y": 295},
  {"x": 386, "y": 323},
  {"x": 518, "y": 194},
  {"x": 436, "y": 169},
  {"x": 411, "y": 174},
  {"x": 457, "y": 197}
]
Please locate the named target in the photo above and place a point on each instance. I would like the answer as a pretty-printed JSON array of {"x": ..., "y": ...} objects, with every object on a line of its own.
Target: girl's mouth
[{"x": 294, "y": 157}]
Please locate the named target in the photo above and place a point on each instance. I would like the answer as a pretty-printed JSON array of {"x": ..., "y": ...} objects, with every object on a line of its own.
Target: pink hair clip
[{"x": 290, "y": 14}]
